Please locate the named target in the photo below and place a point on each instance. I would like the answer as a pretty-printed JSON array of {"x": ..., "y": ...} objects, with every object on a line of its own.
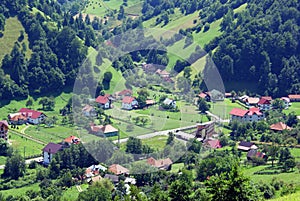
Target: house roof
[
  {"x": 238, "y": 112},
  {"x": 254, "y": 110},
  {"x": 228, "y": 94},
  {"x": 118, "y": 169},
  {"x": 162, "y": 72},
  {"x": 72, "y": 139},
  {"x": 267, "y": 97},
  {"x": 52, "y": 148},
  {"x": 4, "y": 122},
  {"x": 215, "y": 144},
  {"x": 280, "y": 127},
  {"x": 96, "y": 178},
  {"x": 33, "y": 114},
  {"x": 161, "y": 163},
  {"x": 105, "y": 129},
  {"x": 150, "y": 102},
  {"x": 203, "y": 95},
  {"x": 264, "y": 101},
  {"x": 252, "y": 100},
  {"x": 87, "y": 108},
  {"x": 102, "y": 99},
  {"x": 286, "y": 99},
  {"x": 294, "y": 96},
  {"x": 246, "y": 144},
  {"x": 112, "y": 177},
  {"x": 16, "y": 117},
  {"x": 125, "y": 92},
  {"x": 254, "y": 153},
  {"x": 168, "y": 101},
  {"x": 128, "y": 99}
]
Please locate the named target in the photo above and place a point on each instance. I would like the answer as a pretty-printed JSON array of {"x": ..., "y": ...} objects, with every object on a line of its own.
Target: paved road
[{"x": 38, "y": 159}]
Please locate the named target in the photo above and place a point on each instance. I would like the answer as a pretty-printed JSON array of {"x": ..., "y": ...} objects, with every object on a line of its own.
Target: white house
[
  {"x": 33, "y": 117},
  {"x": 128, "y": 103},
  {"x": 103, "y": 101},
  {"x": 49, "y": 150},
  {"x": 171, "y": 102},
  {"x": 251, "y": 115}
]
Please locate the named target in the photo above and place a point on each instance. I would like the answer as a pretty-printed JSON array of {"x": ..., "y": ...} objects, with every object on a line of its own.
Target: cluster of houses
[{"x": 155, "y": 69}]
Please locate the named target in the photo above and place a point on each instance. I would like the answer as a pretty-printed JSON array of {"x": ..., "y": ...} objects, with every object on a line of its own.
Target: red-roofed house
[
  {"x": 214, "y": 144},
  {"x": 122, "y": 94},
  {"x": 49, "y": 150},
  {"x": 264, "y": 103},
  {"x": 72, "y": 140},
  {"x": 128, "y": 103},
  {"x": 294, "y": 97},
  {"x": 3, "y": 129},
  {"x": 280, "y": 127},
  {"x": 163, "y": 164},
  {"x": 33, "y": 117},
  {"x": 253, "y": 114},
  {"x": 103, "y": 101},
  {"x": 108, "y": 130},
  {"x": 118, "y": 169}
]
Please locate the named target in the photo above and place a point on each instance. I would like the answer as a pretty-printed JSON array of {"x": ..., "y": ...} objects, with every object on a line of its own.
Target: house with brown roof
[
  {"x": 107, "y": 130},
  {"x": 252, "y": 101},
  {"x": 4, "y": 129},
  {"x": 246, "y": 146},
  {"x": 163, "y": 164},
  {"x": 89, "y": 111},
  {"x": 72, "y": 140},
  {"x": 49, "y": 150},
  {"x": 118, "y": 169},
  {"x": 264, "y": 103},
  {"x": 294, "y": 97},
  {"x": 212, "y": 143},
  {"x": 242, "y": 115},
  {"x": 123, "y": 93},
  {"x": 17, "y": 118},
  {"x": 280, "y": 126},
  {"x": 103, "y": 101},
  {"x": 33, "y": 116},
  {"x": 253, "y": 153},
  {"x": 128, "y": 103},
  {"x": 205, "y": 95}
]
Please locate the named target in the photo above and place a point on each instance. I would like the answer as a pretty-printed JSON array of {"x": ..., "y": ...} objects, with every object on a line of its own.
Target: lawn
[
  {"x": 20, "y": 191},
  {"x": 10, "y": 35},
  {"x": 176, "y": 167},
  {"x": 72, "y": 193},
  {"x": 223, "y": 108},
  {"x": 292, "y": 197},
  {"x": 25, "y": 146},
  {"x": 157, "y": 142},
  {"x": 296, "y": 153},
  {"x": 295, "y": 107},
  {"x": 291, "y": 177}
]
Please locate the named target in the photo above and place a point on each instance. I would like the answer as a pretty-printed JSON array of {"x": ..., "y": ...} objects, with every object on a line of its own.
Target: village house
[
  {"x": 94, "y": 170},
  {"x": 118, "y": 169},
  {"x": 280, "y": 126},
  {"x": 246, "y": 146},
  {"x": 170, "y": 102},
  {"x": 251, "y": 115},
  {"x": 17, "y": 119},
  {"x": 264, "y": 103},
  {"x": 49, "y": 150},
  {"x": 162, "y": 164},
  {"x": 71, "y": 140},
  {"x": 216, "y": 95},
  {"x": 162, "y": 73},
  {"x": 212, "y": 143},
  {"x": 104, "y": 101},
  {"x": 4, "y": 129},
  {"x": 253, "y": 153},
  {"x": 252, "y": 101},
  {"x": 294, "y": 97},
  {"x": 113, "y": 178},
  {"x": 205, "y": 95},
  {"x": 123, "y": 93},
  {"x": 286, "y": 101},
  {"x": 33, "y": 116},
  {"x": 149, "y": 68},
  {"x": 89, "y": 111},
  {"x": 128, "y": 103},
  {"x": 107, "y": 130}
]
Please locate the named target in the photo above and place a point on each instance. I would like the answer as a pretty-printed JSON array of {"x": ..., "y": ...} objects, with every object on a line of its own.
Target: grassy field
[
  {"x": 13, "y": 27},
  {"x": 290, "y": 177},
  {"x": 295, "y": 107},
  {"x": 223, "y": 108},
  {"x": 157, "y": 142},
  {"x": 72, "y": 193},
  {"x": 176, "y": 167},
  {"x": 20, "y": 191},
  {"x": 292, "y": 197}
]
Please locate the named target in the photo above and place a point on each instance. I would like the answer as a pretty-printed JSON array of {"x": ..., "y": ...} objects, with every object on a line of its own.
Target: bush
[{"x": 32, "y": 165}]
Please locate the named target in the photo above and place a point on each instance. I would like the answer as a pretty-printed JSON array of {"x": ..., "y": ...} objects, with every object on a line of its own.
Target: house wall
[
  {"x": 111, "y": 134},
  {"x": 3, "y": 132},
  {"x": 264, "y": 106},
  {"x": 47, "y": 158},
  {"x": 127, "y": 106},
  {"x": 247, "y": 118}
]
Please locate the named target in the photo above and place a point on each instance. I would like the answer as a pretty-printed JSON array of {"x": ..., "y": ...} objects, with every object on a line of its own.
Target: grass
[
  {"x": 295, "y": 107},
  {"x": 176, "y": 167},
  {"x": 157, "y": 142},
  {"x": 290, "y": 177},
  {"x": 292, "y": 197},
  {"x": 72, "y": 193},
  {"x": 223, "y": 108},
  {"x": 11, "y": 33},
  {"x": 20, "y": 191},
  {"x": 296, "y": 153},
  {"x": 23, "y": 144}
]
